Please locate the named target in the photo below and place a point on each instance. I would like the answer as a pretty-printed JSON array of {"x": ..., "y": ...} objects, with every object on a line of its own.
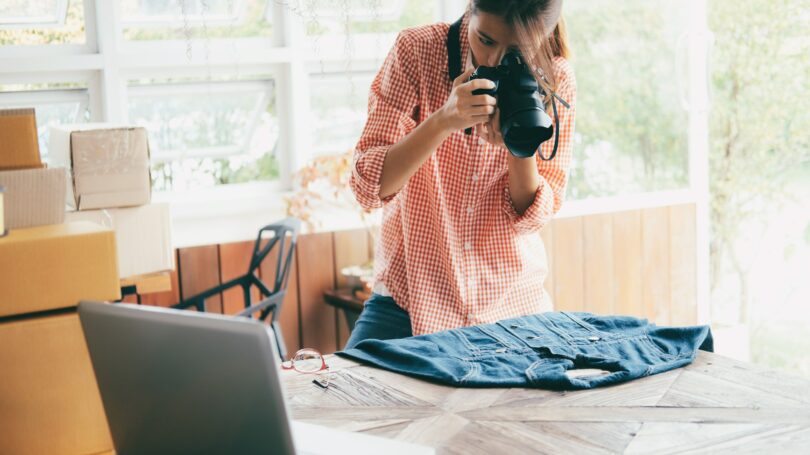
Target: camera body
[{"x": 524, "y": 121}]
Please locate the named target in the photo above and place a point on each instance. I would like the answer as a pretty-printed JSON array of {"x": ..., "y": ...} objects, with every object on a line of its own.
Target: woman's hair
[{"x": 532, "y": 20}]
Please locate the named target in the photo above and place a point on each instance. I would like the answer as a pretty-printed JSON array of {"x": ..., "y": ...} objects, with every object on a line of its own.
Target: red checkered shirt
[{"x": 453, "y": 251}]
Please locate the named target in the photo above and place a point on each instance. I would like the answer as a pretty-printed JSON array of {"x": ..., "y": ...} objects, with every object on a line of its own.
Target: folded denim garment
[{"x": 554, "y": 350}]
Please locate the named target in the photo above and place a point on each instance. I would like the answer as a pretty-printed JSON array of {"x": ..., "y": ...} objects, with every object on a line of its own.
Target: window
[
  {"x": 23, "y": 13},
  {"x": 23, "y": 22},
  {"x": 632, "y": 128},
  {"x": 208, "y": 133},
  {"x": 150, "y": 20},
  {"x": 760, "y": 179},
  {"x": 52, "y": 106},
  {"x": 360, "y": 29},
  {"x": 339, "y": 110}
]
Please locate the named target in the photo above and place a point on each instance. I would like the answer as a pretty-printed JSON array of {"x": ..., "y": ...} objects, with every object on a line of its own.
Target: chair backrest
[{"x": 286, "y": 248}]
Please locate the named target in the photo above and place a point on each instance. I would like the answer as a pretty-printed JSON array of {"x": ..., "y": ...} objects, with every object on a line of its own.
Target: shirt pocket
[
  {"x": 477, "y": 341},
  {"x": 583, "y": 332},
  {"x": 562, "y": 329}
]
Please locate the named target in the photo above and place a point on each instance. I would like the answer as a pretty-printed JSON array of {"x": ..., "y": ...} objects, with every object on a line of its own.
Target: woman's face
[{"x": 490, "y": 39}]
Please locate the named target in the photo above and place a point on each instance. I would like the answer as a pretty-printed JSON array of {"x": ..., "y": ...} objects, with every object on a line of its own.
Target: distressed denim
[{"x": 539, "y": 350}]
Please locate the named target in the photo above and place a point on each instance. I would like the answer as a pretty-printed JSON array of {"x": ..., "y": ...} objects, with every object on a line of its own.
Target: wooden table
[{"x": 714, "y": 405}]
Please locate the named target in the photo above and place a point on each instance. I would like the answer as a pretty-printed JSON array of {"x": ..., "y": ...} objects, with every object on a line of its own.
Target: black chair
[{"x": 271, "y": 299}]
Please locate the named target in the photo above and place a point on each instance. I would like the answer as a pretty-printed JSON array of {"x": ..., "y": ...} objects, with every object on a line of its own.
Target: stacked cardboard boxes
[
  {"x": 34, "y": 195},
  {"x": 109, "y": 183},
  {"x": 50, "y": 399},
  {"x": 49, "y": 396}
]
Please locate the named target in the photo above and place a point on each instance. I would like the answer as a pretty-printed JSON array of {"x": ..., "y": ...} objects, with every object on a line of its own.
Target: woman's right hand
[{"x": 463, "y": 109}]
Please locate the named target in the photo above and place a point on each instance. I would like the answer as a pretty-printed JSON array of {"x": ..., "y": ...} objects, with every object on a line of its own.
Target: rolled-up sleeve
[
  {"x": 554, "y": 173},
  {"x": 392, "y": 114}
]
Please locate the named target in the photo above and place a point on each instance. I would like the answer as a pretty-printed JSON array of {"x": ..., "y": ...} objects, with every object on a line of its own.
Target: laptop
[{"x": 181, "y": 382}]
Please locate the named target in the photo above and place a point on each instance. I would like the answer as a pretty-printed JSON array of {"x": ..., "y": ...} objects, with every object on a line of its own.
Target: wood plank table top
[{"x": 716, "y": 404}]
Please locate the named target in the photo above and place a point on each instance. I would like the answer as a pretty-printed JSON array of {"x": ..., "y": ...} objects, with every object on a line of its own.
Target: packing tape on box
[
  {"x": 2, "y": 213},
  {"x": 109, "y": 152}
]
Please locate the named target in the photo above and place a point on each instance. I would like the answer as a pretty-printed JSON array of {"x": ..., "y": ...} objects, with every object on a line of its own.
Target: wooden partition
[{"x": 639, "y": 263}]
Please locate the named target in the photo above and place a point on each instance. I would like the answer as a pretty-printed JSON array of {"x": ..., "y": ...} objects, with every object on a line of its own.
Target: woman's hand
[
  {"x": 463, "y": 109},
  {"x": 491, "y": 131}
]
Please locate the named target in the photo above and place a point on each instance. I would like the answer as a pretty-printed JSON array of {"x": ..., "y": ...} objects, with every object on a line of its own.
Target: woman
[{"x": 460, "y": 242}]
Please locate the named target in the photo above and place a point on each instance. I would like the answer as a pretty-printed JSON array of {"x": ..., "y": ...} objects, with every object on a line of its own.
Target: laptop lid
[{"x": 182, "y": 382}]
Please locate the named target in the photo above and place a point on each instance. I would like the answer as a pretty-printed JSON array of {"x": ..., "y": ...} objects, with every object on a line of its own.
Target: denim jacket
[{"x": 554, "y": 350}]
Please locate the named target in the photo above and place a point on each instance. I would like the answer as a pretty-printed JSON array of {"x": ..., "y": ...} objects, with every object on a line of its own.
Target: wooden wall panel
[
  {"x": 316, "y": 274},
  {"x": 351, "y": 248},
  {"x": 234, "y": 259},
  {"x": 655, "y": 263},
  {"x": 639, "y": 263},
  {"x": 627, "y": 261},
  {"x": 289, "y": 318},
  {"x": 199, "y": 270},
  {"x": 682, "y": 260},
  {"x": 569, "y": 280},
  {"x": 597, "y": 231},
  {"x": 547, "y": 234}
]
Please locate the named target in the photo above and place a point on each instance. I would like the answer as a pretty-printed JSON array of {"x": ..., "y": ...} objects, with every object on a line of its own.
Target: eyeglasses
[{"x": 310, "y": 361}]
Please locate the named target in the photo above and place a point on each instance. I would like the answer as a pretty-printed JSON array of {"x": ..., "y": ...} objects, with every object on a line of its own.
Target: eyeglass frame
[{"x": 323, "y": 370}]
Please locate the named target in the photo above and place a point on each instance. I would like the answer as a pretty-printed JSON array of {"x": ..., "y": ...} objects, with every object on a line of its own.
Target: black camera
[{"x": 524, "y": 121}]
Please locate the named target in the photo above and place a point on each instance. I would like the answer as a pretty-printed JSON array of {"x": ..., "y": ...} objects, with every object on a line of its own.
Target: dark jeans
[{"x": 381, "y": 319}]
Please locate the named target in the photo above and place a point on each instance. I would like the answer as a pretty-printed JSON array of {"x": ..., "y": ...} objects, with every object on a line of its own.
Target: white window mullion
[
  {"x": 90, "y": 26},
  {"x": 698, "y": 103},
  {"x": 108, "y": 15},
  {"x": 293, "y": 97}
]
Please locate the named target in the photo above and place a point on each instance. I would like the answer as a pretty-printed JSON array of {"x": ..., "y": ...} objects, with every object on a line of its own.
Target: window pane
[
  {"x": 631, "y": 126},
  {"x": 360, "y": 28},
  {"x": 339, "y": 107},
  {"x": 759, "y": 162},
  {"x": 41, "y": 22},
  {"x": 207, "y": 134},
  {"x": 194, "y": 19},
  {"x": 24, "y": 12},
  {"x": 53, "y": 107}
]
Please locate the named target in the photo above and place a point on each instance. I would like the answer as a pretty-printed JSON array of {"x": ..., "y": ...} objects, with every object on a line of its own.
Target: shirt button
[
  {"x": 469, "y": 210},
  {"x": 482, "y": 141},
  {"x": 475, "y": 177},
  {"x": 468, "y": 245}
]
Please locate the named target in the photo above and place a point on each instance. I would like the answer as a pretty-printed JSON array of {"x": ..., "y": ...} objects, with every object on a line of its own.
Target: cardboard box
[
  {"x": 56, "y": 266},
  {"x": 50, "y": 399},
  {"x": 108, "y": 167},
  {"x": 19, "y": 145},
  {"x": 34, "y": 197},
  {"x": 142, "y": 235}
]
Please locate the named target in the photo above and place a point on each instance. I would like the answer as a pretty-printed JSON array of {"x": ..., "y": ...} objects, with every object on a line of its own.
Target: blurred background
[{"x": 692, "y": 101}]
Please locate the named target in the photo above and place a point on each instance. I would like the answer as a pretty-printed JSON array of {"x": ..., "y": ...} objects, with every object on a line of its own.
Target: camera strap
[{"x": 454, "y": 49}]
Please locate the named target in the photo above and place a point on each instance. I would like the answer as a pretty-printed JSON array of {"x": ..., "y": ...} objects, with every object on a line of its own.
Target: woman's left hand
[{"x": 491, "y": 131}]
